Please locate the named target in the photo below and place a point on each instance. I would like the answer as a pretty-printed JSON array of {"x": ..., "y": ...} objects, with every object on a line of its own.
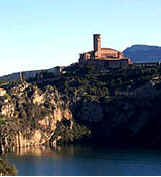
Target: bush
[
  {"x": 6, "y": 169},
  {"x": 6, "y": 96}
]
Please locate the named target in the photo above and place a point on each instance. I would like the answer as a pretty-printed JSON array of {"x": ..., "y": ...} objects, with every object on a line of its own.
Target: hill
[{"x": 143, "y": 53}]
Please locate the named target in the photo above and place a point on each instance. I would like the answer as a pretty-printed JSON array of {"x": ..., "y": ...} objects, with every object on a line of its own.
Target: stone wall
[{"x": 106, "y": 63}]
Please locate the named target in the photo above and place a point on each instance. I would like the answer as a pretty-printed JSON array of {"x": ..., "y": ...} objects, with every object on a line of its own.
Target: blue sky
[{"x": 39, "y": 34}]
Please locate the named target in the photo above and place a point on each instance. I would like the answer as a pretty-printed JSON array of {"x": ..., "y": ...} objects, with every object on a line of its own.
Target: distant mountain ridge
[
  {"x": 143, "y": 53},
  {"x": 27, "y": 74}
]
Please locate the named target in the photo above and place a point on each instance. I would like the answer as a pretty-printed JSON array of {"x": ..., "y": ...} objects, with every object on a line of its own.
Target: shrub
[
  {"x": 6, "y": 169},
  {"x": 6, "y": 96}
]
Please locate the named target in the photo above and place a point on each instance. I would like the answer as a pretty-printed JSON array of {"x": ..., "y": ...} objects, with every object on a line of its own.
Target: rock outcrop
[{"x": 31, "y": 117}]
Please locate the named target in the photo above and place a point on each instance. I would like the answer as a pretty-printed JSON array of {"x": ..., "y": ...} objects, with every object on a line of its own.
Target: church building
[{"x": 114, "y": 57}]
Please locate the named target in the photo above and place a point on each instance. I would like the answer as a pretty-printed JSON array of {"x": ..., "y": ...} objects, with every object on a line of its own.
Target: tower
[{"x": 97, "y": 44}]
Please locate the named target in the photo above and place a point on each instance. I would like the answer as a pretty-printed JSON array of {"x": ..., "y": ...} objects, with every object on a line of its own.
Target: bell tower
[{"x": 97, "y": 44}]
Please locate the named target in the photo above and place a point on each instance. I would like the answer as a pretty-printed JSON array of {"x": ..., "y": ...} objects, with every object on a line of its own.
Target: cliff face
[
  {"x": 82, "y": 109},
  {"x": 123, "y": 121},
  {"x": 31, "y": 117}
]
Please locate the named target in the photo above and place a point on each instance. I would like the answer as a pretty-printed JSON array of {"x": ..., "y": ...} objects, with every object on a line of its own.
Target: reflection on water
[
  {"x": 86, "y": 160},
  {"x": 58, "y": 152}
]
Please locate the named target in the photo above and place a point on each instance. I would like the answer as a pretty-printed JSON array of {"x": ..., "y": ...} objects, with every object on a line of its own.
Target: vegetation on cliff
[
  {"x": 118, "y": 105},
  {"x": 89, "y": 104}
]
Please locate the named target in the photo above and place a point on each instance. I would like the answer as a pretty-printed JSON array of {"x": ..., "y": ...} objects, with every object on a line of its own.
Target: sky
[{"x": 41, "y": 34}]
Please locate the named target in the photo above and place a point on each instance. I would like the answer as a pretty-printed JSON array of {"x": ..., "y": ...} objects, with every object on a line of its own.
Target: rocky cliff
[
  {"x": 32, "y": 117},
  {"x": 74, "y": 109}
]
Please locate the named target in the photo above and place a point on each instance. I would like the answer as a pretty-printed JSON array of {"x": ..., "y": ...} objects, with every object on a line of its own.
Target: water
[{"x": 86, "y": 160}]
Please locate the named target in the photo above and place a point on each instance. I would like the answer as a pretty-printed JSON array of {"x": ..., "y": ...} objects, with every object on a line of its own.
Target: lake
[{"x": 86, "y": 160}]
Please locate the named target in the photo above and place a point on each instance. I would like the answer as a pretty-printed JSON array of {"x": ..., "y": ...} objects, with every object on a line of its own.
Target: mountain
[{"x": 143, "y": 53}]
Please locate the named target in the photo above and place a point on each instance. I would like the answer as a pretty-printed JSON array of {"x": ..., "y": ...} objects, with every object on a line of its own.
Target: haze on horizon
[{"x": 42, "y": 34}]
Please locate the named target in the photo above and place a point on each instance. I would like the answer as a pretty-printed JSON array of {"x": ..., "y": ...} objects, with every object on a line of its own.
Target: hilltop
[{"x": 136, "y": 53}]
